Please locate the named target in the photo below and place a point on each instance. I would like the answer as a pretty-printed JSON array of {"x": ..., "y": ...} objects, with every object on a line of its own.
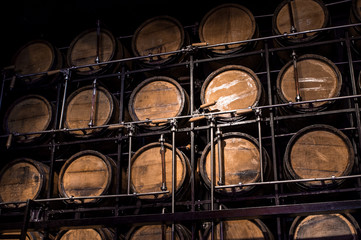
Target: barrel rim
[
  {"x": 302, "y": 40},
  {"x": 247, "y": 70},
  {"x": 109, "y": 162},
  {"x": 100, "y": 231},
  {"x": 183, "y": 159},
  {"x": 225, "y": 5},
  {"x": 179, "y": 230},
  {"x": 146, "y": 22},
  {"x": 35, "y": 41},
  {"x": 299, "y": 220},
  {"x": 154, "y": 79},
  {"x": 253, "y": 140},
  {"x": 113, "y": 109},
  {"x": 19, "y": 100},
  {"x": 303, "y": 58},
  {"x": 38, "y": 165},
  {"x": 288, "y": 169},
  {"x": 258, "y": 222},
  {"x": 102, "y": 67}
]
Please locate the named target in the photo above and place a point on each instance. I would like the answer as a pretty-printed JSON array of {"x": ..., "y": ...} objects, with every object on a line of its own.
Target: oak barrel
[
  {"x": 78, "y": 110},
  {"x": 318, "y": 151},
  {"x": 87, "y": 173},
  {"x": 146, "y": 171},
  {"x": 160, "y": 34},
  {"x": 158, "y": 97},
  {"x": 30, "y": 113},
  {"x": 23, "y": 179},
  {"x": 306, "y": 15},
  {"x": 232, "y": 87},
  {"x": 155, "y": 232},
  {"x": 240, "y": 229},
  {"x": 85, "y": 46},
  {"x": 241, "y": 162},
  {"x": 318, "y": 78},
  {"x": 85, "y": 234},
  {"x": 226, "y": 23},
  {"x": 325, "y": 226},
  {"x": 35, "y": 57}
]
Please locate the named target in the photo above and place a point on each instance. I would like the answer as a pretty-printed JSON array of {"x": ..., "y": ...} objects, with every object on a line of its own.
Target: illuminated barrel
[
  {"x": 318, "y": 151},
  {"x": 30, "y": 113},
  {"x": 305, "y": 15},
  {"x": 158, "y": 232},
  {"x": 318, "y": 78},
  {"x": 79, "y": 111},
  {"x": 35, "y": 57},
  {"x": 158, "y": 97},
  {"x": 85, "y": 234},
  {"x": 232, "y": 87},
  {"x": 89, "y": 48},
  {"x": 240, "y": 229},
  {"x": 230, "y": 23},
  {"x": 157, "y": 35},
  {"x": 240, "y": 163},
  {"x": 85, "y": 174},
  {"x": 23, "y": 179},
  {"x": 147, "y": 174},
  {"x": 325, "y": 226}
]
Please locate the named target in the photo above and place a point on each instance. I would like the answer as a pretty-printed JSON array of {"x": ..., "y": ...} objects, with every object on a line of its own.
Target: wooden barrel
[
  {"x": 325, "y": 226},
  {"x": 30, "y": 113},
  {"x": 240, "y": 229},
  {"x": 318, "y": 151},
  {"x": 160, "y": 34},
  {"x": 355, "y": 17},
  {"x": 306, "y": 15},
  {"x": 87, "y": 173},
  {"x": 318, "y": 78},
  {"x": 84, "y": 48},
  {"x": 78, "y": 111},
  {"x": 230, "y": 23},
  {"x": 241, "y": 162},
  {"x": 155, "y": 232},
  {"x": 158, "y": 97},
  {"x": 146, "y": 171},
  {"x": 232, "y": 87},
  {"x": 85, "y": 234},
  {"x": 37, "y": 56},
  {"x": 23, "y": 179}
]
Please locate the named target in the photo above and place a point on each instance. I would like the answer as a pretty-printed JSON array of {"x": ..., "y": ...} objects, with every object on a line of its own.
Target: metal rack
[{"x": 279, "y": 203}]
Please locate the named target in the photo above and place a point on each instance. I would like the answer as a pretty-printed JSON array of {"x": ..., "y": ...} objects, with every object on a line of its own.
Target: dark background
[{"x": 59, "y": 21}]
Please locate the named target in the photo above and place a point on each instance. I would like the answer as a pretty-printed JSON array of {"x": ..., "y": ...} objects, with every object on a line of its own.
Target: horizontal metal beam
[{"x": 225, "y": 214}]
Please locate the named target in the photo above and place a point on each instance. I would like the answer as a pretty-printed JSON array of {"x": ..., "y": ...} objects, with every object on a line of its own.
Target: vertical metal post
[
  {"x": 220, "y": 157},
  {"x": 130, "y": 135},
  {"x": 212, "y": 166},
  {"x": 292, "y": 20},
  {"x": 162, "y": 156},
  {"x": 97, "y": 59},
  {"x": 24, "y": 229},
  {"x": 174, "y": 171},
  {"x": 258, "y": 118},
  {"x": 92, "y": 109},
  {"x": 354, "y": 92},
  {"x": 66, "y": 78},
  {"x": 192, "y": 135},
  {"x": 295, "y": 72}
]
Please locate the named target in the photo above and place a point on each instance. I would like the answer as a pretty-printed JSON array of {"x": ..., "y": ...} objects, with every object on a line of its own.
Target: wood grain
[{"x": 227, "y": 23}]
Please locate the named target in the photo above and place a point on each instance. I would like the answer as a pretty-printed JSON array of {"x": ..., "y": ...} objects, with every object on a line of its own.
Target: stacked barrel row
[
  {"x": 230, "y": 84},
  {"x": 326, "y": 226}
]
